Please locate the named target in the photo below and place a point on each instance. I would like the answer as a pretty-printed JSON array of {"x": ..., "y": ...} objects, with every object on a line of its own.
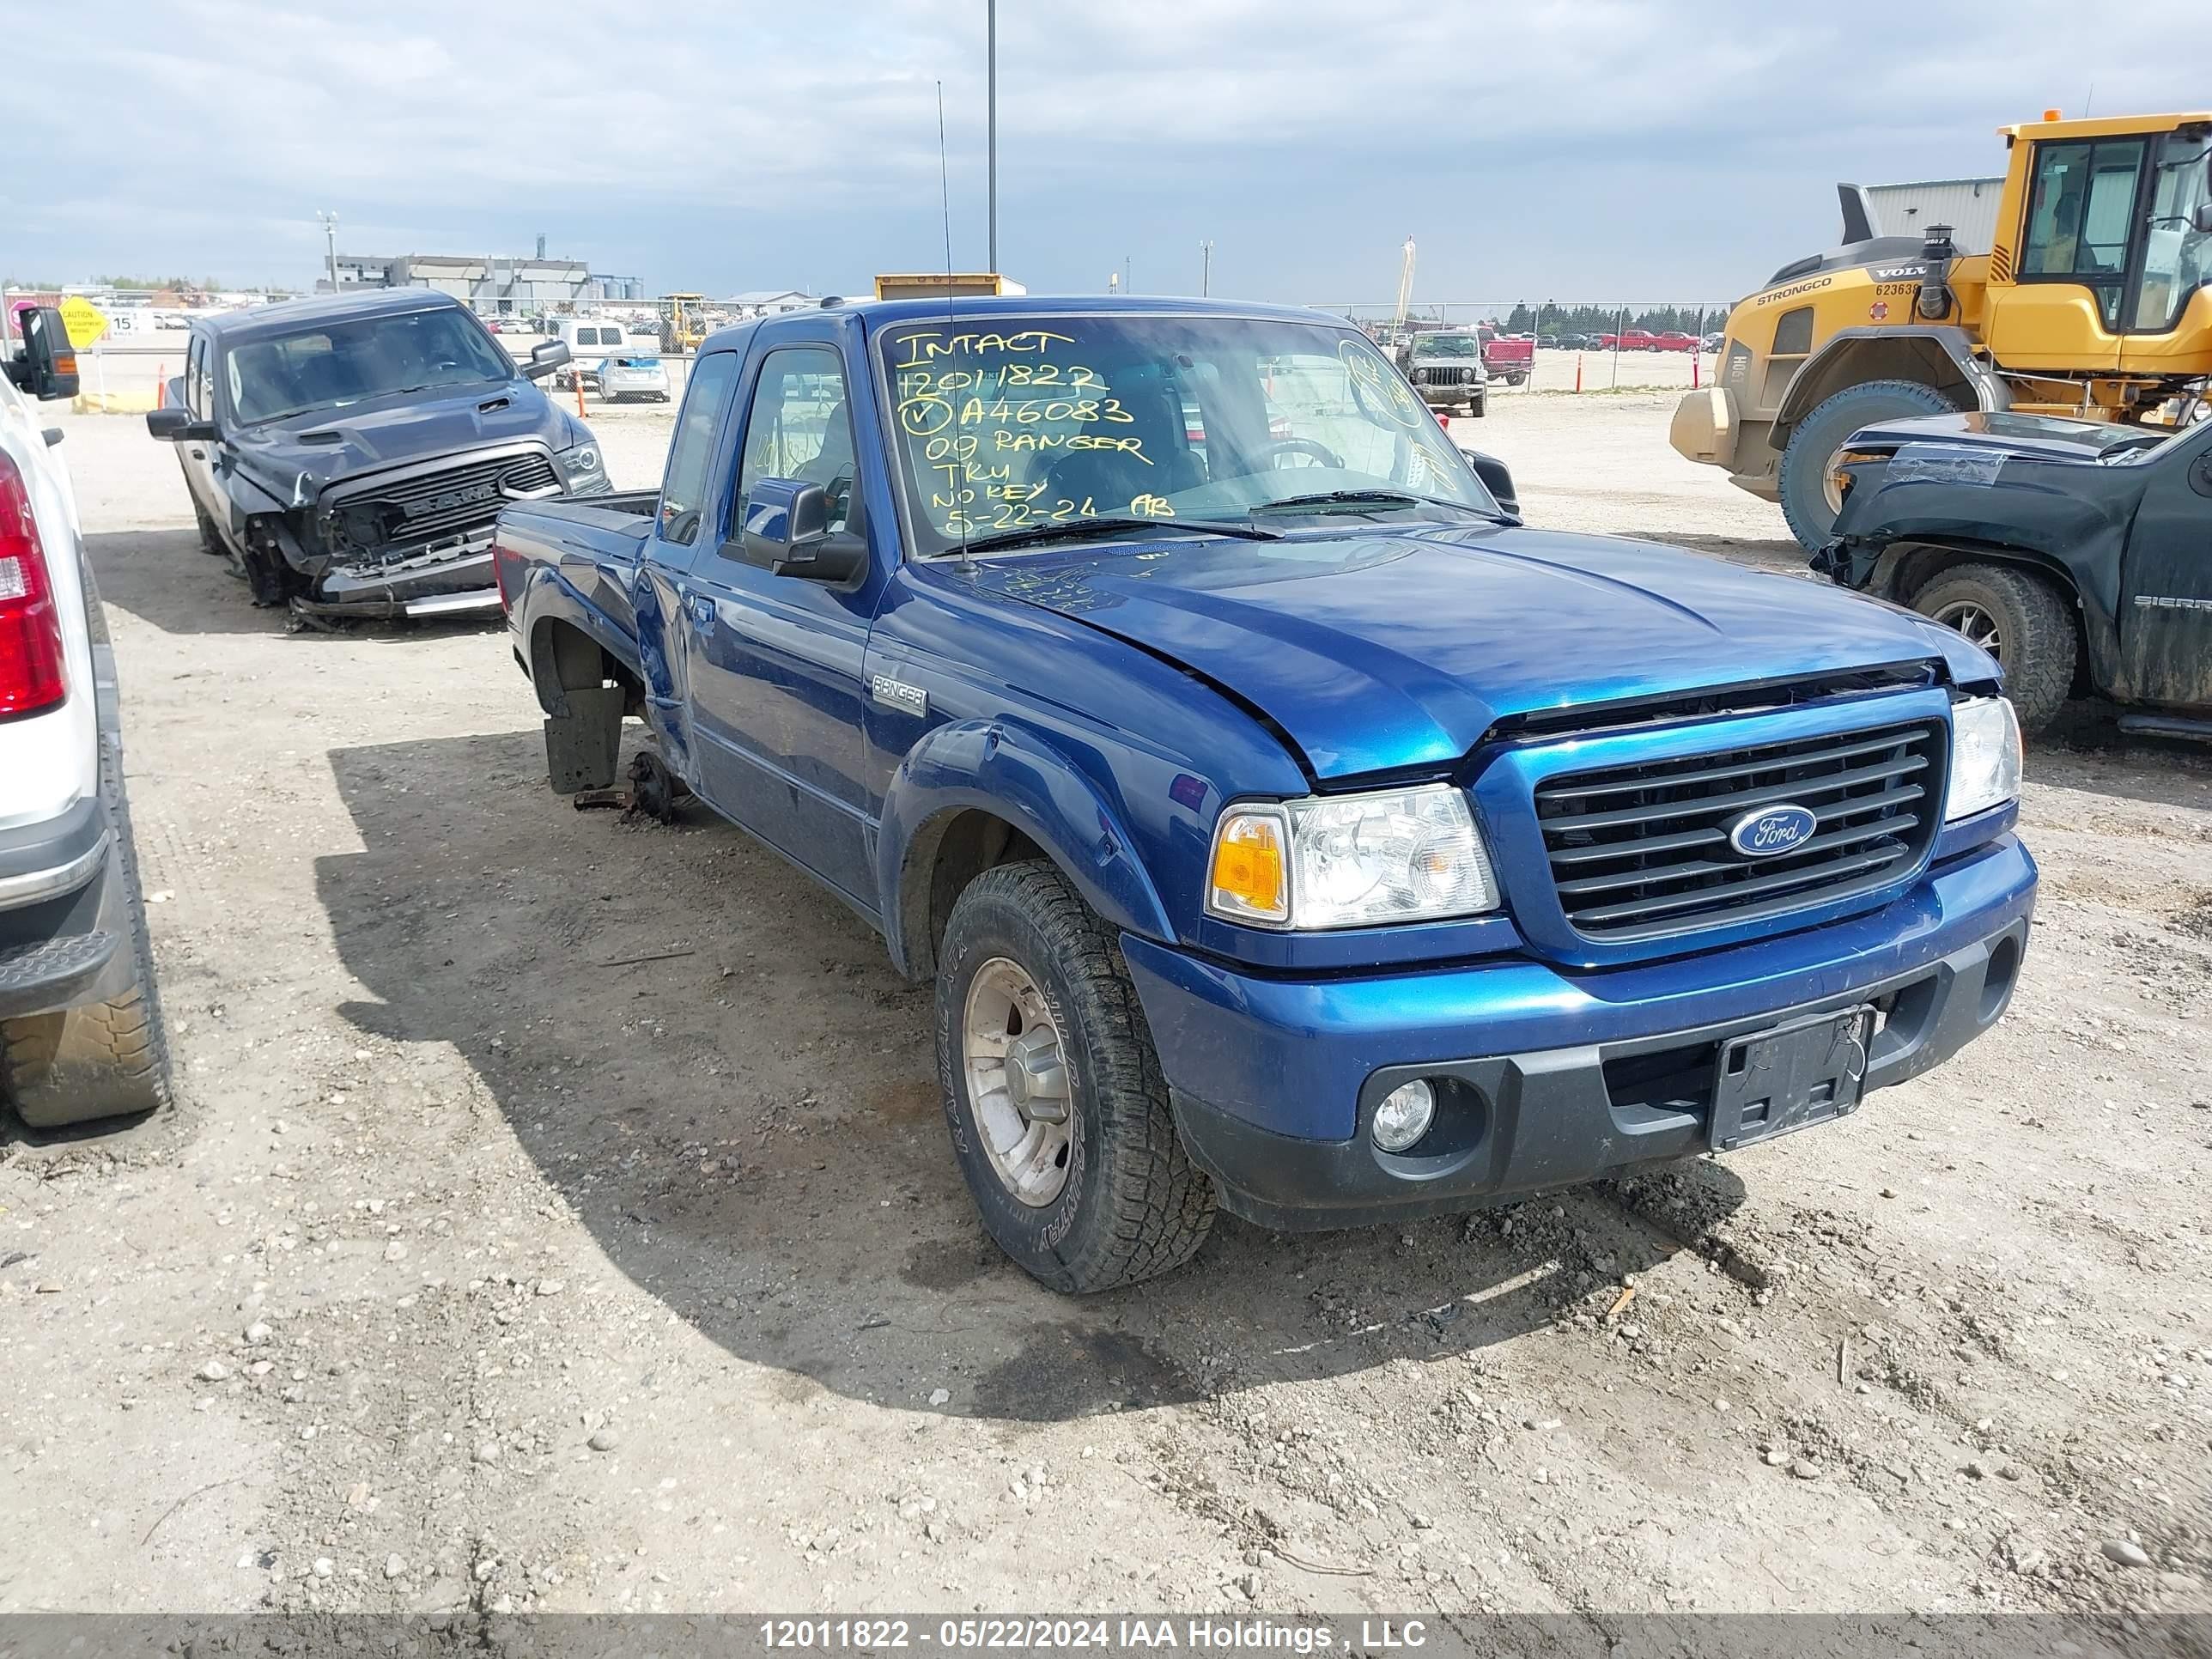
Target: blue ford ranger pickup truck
[{"x": 1287, "y": 828}]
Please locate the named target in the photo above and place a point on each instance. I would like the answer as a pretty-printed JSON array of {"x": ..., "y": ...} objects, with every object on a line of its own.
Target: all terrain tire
[
  {"x": 2033, "y": 636},
  {"x": 105, "y": 1059},
  {"x": 1129, "y": 1204}
]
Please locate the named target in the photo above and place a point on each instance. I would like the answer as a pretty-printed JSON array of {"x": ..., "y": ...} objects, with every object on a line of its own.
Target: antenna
[{"x": 951, "y": 313}]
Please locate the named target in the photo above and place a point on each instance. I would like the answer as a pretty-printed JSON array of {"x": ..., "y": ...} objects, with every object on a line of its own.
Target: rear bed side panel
[{"x": 577, "y": 566}]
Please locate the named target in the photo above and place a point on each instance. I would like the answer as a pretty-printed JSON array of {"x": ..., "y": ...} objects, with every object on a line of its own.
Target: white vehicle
[
  {"x": 633, "y": 377},
  {"x": 589, "y": 339},
  {"x": 80, "y": 1033}
]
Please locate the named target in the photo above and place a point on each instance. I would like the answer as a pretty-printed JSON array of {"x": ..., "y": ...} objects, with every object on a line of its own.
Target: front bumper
[
  {"x": 1553, "y": 1077},
  {"x": 451, "y": 578},
  {"x": 1450, "y": 397}
]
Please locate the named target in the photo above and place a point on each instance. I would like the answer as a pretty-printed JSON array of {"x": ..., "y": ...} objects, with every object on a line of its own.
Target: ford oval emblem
[{"x": 1766, "y": 831}]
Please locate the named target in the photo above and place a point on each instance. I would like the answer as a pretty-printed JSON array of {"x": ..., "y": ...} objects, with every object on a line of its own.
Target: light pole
[
  {"x": 1205, "y": 269},
  {"x": 991, "y": 53},
  {"x": 330, "y": 238}
]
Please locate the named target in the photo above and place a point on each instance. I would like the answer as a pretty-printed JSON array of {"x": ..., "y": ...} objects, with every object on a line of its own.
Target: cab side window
[
  {"x": 684, "y": 488},
  {"x": 2082, "y": 212},
  {"x": 798, "y": 427},
  {"x": 2176, "y": 256}
]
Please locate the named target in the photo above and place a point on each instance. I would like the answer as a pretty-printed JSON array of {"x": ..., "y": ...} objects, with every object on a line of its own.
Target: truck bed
[{"x": 574, "y": 558}]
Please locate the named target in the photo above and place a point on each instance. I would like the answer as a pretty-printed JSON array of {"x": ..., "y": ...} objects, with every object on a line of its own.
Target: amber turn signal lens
[{"x": 1249, "y": 865}]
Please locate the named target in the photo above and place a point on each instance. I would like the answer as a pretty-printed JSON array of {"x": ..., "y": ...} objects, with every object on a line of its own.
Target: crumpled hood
[
  {"x": 1384, "y": 648},
  {"x": 293, "y": 458},
  {"x": 1997, "y": 434}
]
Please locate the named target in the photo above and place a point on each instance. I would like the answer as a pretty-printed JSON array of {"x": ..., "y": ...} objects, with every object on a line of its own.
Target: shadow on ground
[
  {"x": 714, "y": 1063},
  {"x": 163, "y": 578}
]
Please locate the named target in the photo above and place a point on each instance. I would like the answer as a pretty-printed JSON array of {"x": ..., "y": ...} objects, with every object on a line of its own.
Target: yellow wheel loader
[{"x": 2094, "y": 300}]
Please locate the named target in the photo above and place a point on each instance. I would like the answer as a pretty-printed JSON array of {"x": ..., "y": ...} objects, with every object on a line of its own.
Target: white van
[{"x": 590, "y": 340}]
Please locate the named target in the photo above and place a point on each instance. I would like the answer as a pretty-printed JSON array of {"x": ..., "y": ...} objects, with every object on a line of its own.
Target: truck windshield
[
  {"x": 1014, "y": 421},
  {"x": 1448, "y": 345},
  {"x": 337, "y": 363}
]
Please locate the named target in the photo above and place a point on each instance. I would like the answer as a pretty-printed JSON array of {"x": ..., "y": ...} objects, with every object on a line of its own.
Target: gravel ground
[{"x": 558, "y": 1217}]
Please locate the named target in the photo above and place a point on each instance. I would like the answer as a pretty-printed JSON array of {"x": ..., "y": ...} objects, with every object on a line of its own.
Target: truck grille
[
  {"x": 1449, "y": 375},
  {"x": 407, "y": 511},
  {"x": 1642, "y": 852}
]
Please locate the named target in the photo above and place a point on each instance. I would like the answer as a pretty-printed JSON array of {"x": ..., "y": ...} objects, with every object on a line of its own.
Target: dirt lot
[{"x": 477, "y": 1270}]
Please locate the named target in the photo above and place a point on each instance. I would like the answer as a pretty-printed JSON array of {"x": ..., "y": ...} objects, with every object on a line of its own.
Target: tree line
[{"x": 1551, "y": 317}]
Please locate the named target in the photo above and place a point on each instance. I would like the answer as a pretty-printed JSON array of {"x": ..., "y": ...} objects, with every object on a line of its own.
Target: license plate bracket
[{"x": 1788, "y": 1077}]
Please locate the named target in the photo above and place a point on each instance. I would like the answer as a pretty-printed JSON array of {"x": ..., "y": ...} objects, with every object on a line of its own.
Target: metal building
[
  {"x": 496, "y": 284},
  {"x": 1969, "y": 206}
]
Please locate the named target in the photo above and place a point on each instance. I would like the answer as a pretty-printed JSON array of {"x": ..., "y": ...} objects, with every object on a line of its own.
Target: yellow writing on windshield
[
  {"x": 989, "y": 415},
  {"x": 924, "y": 348},
  {"x": 1384, "y": 387}
]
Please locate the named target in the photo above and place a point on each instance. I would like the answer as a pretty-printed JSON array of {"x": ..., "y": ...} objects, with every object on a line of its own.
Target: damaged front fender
[{"x": 1909, "y": 516}]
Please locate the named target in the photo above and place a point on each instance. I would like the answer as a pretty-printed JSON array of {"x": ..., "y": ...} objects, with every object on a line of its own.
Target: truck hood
[
  {"x": 1386, "y": 648},
  {"x": 2000, "y": 432},
  {"x": 293, "y": 458}
]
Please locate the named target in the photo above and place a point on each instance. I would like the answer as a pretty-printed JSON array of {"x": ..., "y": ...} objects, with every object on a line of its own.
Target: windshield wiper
[
  {"x": 1369, "y": 498},
  {"x": 1071, "y": 529}
]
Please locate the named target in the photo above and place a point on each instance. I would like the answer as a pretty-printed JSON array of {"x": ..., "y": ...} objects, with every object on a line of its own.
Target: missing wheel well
[{"x": 565, "y": 658}]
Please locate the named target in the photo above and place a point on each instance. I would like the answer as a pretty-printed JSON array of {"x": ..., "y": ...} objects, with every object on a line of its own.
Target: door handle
[
  {"x": 702, "y": 607},
  {"x": 196, "y": 454}
]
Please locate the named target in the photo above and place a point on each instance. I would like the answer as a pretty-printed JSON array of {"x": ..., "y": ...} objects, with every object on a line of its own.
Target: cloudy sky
[{"x": 1572, "y": 149}]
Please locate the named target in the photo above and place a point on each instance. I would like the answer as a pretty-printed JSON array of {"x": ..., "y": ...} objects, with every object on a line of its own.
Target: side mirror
[
  {"x": 1497, "y": 477},
  {"x": 2201, "y": 220},
  {"x": 544, "y": 359},
  {"x": 786, "y": 531},
  {"x": 45, "y": 367},
  {"x": 175, "y": 425}
]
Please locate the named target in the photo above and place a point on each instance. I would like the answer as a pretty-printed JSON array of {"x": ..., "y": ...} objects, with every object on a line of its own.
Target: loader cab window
[
  {"x": 2176, "y": 256},
  {"x": 2081, "y": 216}
]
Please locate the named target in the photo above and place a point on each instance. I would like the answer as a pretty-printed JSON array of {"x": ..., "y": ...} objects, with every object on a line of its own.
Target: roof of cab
[
  {"x": 881, "y": 313},
  {"x": 288, "y": 314}
]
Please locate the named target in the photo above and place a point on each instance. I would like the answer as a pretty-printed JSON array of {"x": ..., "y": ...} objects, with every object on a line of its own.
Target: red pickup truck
[
  {"x": 1633, "y": 339},
  {"x": 1508, "y": 357}
]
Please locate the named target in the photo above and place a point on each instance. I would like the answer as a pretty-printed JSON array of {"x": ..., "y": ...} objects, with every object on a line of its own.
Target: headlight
[
  {"x": 584, "y": 458},
  {"x": 1350, "y": 860},
  {"x": 1984, "y": 757}
]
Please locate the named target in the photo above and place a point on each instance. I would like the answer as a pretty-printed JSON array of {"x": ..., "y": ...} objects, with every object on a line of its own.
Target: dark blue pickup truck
[{"x": 1286, "y": 828}]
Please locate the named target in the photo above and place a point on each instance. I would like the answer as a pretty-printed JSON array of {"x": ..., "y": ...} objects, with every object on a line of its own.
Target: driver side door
[{"x": 198, "y": 455}]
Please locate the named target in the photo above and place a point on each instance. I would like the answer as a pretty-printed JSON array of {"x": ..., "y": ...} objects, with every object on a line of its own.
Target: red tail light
[{"x": 31, "y": 676}]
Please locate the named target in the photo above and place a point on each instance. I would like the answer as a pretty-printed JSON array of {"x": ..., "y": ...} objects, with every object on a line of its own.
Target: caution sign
[{"x": 84, "y": 321}]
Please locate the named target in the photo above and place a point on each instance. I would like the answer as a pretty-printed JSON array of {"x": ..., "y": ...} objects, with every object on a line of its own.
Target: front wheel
[
  {"x": 2018, "y": 618},
  {"x": 210, "y": 538},
  {"x": 1054, "y": 1095},
  {"x": 1811, "y": 498}
]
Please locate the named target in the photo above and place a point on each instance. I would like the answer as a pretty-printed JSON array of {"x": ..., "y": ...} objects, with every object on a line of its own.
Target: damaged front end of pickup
[{"x": 416, "y": 540}]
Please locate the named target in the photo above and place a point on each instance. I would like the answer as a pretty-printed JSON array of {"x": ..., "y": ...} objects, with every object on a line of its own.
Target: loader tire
[
  {"x": 1808, "y": 496},
  {"x": 2018, "y": 618}
]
